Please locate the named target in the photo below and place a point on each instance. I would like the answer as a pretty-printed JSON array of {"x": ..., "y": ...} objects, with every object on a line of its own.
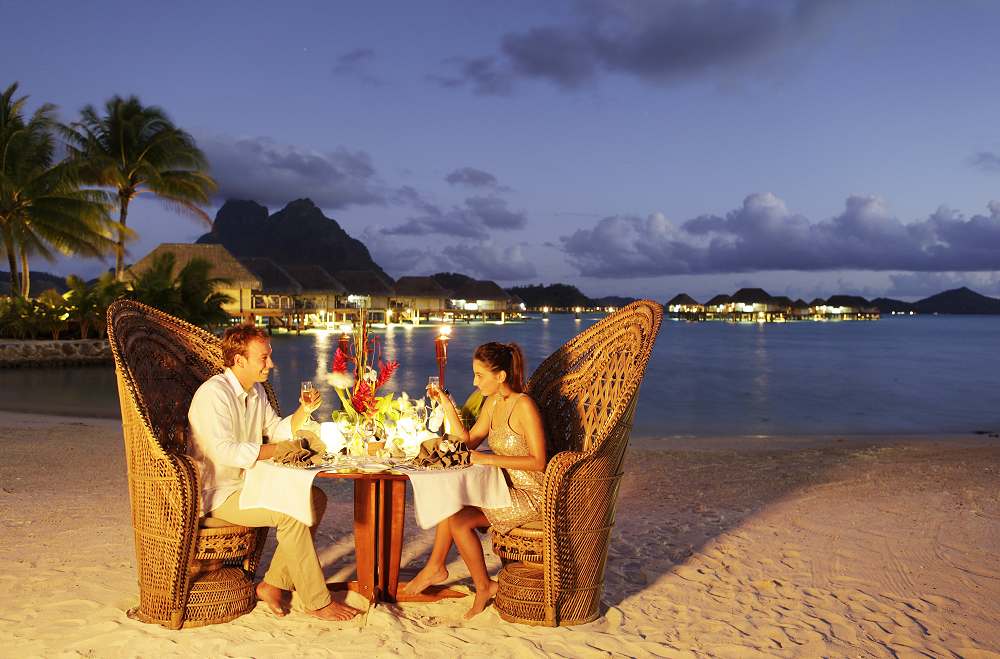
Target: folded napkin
[
  {"x": 311, "y": 454},
  {"x": 443, "y": 452}
]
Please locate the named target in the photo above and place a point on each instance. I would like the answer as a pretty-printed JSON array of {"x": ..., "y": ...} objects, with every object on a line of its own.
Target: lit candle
[{"x": 441, "y": 352}]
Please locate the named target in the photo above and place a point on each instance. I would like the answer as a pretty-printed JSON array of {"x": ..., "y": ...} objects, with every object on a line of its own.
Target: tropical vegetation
[
  {"x": 135, "y": 149},
  {"x": 44, "y": 209}
]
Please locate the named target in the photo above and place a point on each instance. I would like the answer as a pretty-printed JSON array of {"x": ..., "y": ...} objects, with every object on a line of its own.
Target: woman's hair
[
  {"x": 235, "y": 341},
  {"x": 505, "y": 357}
]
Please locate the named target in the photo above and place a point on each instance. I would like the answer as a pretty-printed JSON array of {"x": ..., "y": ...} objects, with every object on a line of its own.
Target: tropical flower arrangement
[{"x": 357, "y": 374}]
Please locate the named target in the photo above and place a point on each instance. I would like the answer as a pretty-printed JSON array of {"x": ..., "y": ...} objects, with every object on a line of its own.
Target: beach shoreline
[{"x": 731, "y": 546}]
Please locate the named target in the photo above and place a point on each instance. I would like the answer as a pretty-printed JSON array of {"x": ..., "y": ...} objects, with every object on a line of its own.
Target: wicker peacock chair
[
  {"x": 553, "y": 570},
  {"x": 189, "y": 576}
]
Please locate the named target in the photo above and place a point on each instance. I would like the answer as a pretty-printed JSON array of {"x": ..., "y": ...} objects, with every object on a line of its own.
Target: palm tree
[
  {"x": 43, "y": 209},
  {"x": 136, "y": 149},
  {"x": 87, "y": 303}
]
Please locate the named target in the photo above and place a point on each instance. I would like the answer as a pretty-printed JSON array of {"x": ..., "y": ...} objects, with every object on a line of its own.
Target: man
[{"x": 230, "y": 416}]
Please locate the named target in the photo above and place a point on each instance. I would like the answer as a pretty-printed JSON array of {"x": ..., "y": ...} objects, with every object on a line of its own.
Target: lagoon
[{"x": 899, "y": 375}]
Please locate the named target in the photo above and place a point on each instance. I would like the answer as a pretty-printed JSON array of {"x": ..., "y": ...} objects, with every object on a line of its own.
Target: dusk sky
[{"x": 632, "y": 148}]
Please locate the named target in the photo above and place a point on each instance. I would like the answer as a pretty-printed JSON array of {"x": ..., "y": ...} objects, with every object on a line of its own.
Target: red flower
[
  {"x": 385, "y": 371},
  {"x": 363, "y": 400},
  {"x": 339, "y": 362}
]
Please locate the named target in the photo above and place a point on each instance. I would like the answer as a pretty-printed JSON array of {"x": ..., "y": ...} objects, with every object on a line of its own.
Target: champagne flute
[
  {"x": 309, "y": 395},
  {"x": 435, "y": 382}
]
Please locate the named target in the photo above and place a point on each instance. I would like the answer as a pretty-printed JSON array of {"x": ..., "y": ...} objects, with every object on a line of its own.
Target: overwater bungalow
[
  {"x": 683, "y": 306},
  {"x": 849, "y": 307},
  {"x": 241, "y": 283},
  {"x": 801, "y": 310},
  {"x": 367, "y": 288},
  {"x": 718, "y": 307},
  {"x": 753, "y": 305},
  {"x": 321, "y": 294},
  {"x": 418, "y": 298},
  {"x": 481, "y": 299},
  {"x": 275, "y": 298}
]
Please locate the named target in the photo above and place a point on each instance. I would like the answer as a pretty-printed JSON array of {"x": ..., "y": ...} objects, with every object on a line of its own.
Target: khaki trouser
[{"x": 295, "y": 565}]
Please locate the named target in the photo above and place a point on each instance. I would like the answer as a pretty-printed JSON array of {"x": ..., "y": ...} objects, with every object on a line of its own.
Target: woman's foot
[
  {"x": 483, "y": 598},
  {"x": 278, "y": 600},
  {"x": 427, "y": 577},
  {"x": 334, "y": 611}
]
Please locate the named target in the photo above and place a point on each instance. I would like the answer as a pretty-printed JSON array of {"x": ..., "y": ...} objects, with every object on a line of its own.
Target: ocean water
[{"x": 936, "y": 374}]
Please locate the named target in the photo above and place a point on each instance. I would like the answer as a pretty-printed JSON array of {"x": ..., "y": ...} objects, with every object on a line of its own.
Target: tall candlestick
[{"x": 441, "y": 352}]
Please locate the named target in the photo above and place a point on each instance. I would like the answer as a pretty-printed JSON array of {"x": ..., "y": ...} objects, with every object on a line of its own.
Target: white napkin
[
  {"x": 440, "y": 493},
  {"x": 281, "y": 489}
]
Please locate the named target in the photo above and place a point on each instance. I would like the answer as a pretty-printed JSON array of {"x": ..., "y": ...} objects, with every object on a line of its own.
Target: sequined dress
[{"x": 526, "y": 487}]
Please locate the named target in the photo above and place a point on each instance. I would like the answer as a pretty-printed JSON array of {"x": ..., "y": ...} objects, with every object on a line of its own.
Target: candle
[{"x": 441, "y": 352}]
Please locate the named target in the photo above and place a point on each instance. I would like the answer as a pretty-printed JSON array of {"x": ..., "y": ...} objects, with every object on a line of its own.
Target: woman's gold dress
[{"x": 526, "y": 487}]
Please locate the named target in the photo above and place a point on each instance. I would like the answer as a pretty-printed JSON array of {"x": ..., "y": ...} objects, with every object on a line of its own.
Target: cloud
[
  {"x": 472, "y": 177},
  {"x": 357, "y": 64},
  {"x": 986, "y": 161},
  {"x": 261, "y": 169},
  {"x": 763, "y": 235},
  {"x": 488, "y": 260},
  {"x": 657, "y": 42},
  {"x": 394, "y": 259},
  {"x": 483, "y": 74},
  {"x": 474, "y": 219}
]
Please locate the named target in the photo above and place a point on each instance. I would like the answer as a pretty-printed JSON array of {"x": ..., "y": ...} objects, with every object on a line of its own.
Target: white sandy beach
[{"x": 726, "y": 547}]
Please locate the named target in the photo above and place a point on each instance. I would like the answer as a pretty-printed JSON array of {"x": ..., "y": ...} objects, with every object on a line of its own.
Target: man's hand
[{"x": 311, "y": 405}]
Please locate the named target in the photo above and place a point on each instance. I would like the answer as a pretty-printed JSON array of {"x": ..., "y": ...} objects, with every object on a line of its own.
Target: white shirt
[{"x": 227, "y": 427}]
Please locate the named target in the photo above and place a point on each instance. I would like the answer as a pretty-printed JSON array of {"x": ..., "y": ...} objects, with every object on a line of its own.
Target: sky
[{"x": 809, "y": 147}]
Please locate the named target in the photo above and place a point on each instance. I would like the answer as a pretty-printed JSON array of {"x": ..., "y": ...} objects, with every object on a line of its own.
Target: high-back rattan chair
[
  {"x": 189, "y": 576},
  {"x": 553, "y": 570}
]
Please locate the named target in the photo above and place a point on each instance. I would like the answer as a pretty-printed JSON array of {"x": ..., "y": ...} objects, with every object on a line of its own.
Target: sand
[{"x": 734, "y": 547}]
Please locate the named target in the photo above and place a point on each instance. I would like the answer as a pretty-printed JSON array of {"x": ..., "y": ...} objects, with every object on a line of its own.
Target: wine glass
[{"x": 309, "y": 395}]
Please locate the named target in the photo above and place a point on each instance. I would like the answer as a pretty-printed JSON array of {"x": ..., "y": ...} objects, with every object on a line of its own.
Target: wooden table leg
[
  {"x": 365, "y": 535},
  {"x": 393, "y": 518}
]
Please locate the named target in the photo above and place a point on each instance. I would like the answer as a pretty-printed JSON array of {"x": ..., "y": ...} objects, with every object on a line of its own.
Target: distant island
[{"x": 755, "y": 304}]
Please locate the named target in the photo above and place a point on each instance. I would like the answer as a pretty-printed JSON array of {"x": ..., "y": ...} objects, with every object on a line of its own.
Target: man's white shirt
[{"x": 227, "y": 427}]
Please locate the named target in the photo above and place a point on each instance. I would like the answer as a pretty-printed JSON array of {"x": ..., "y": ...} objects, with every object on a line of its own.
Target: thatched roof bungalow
[
  {"x": 320, "y": 295},
  {"x": 684, "y": 303},
  {"x": 366, "y": 287},
  {"x": 481, "y": 295},
  {"x": 416, "y": 296},
  {"x": 276, "y": 295},
  {"x": 240, "y": 282}
]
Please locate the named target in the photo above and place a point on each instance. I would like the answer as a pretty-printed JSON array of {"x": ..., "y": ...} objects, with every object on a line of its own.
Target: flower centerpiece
[{"x": 357, "y": 374}]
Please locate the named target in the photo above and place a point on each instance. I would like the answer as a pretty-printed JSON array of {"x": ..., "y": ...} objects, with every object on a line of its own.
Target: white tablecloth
[
  {"x": 440, "y": 493},
  {"x": 282, "y": 489},
  {"x": 437, "y": 493}
]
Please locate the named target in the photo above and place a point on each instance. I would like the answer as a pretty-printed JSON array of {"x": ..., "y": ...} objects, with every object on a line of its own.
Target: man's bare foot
[
  {"x": 278, "y": 600},
  {"x": 483, "y": 598},
  {"x": 429, "y": 576},
  {"x": 335, "y": 611}
]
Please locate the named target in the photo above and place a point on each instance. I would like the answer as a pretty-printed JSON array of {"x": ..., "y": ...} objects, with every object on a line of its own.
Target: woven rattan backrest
[
  {"x": 584, "y": 388},
  {"x": 166, "y": 360}
]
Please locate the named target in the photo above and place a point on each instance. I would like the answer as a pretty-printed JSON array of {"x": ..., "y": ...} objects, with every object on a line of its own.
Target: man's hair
[{"x": 236, "y": 339}]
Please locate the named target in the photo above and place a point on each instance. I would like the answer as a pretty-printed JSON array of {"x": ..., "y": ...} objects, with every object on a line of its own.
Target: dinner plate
[{"x": 372, "y": 468}]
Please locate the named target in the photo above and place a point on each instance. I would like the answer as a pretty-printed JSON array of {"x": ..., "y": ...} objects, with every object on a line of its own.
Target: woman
[{"x": 511, "y": 421}]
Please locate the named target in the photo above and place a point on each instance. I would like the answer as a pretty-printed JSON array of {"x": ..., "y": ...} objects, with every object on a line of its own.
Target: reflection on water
[{"x": 913, "y": 375}]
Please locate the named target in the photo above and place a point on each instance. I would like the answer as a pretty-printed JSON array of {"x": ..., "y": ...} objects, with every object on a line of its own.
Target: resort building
[
  {"x": 718, "y": 307},
  {"x": 847, "y": 307},
  {"x": 369, "y": 289},
  {"x": 274, "y": 299},
  {"x": 481, "y": 299},
  {"x": 753, "y": 305},
  {"x": 683, "y": 306},
  {"x": 240, "y": 282},
  {"x": 321, "y": 294},
  {"x": 418, "y": 298}
]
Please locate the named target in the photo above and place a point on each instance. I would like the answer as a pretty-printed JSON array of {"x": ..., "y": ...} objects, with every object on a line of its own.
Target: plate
[{"x": 372, "y": 468}]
